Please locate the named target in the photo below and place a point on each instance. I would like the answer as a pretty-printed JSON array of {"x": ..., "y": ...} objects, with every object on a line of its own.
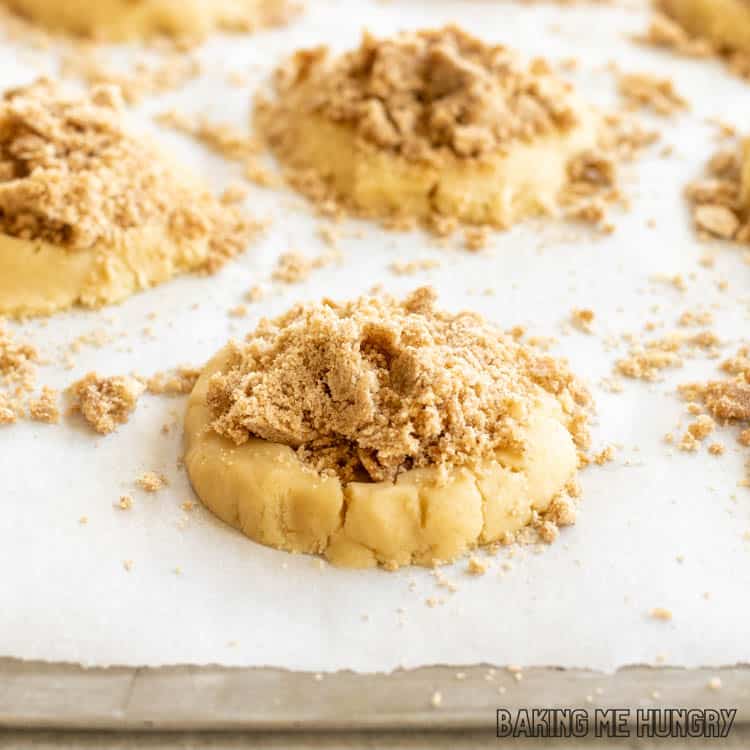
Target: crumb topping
[
  {"x": 105, "y": 403},
  {"x": 374, "y": 387},
  {"x": 428, "y": 93},
  {"x": 71, "y": 175}
]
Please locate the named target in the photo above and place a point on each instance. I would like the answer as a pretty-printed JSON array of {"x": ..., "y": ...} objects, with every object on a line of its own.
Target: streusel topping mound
[
  {"x": 426, "y": 92},
  {"x": 71, "y": 175},
  {"x": 375, "y": 387}
]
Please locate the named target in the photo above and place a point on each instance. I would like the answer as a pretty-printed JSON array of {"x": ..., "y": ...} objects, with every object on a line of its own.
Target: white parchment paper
[{"x": 657, "y": 528}]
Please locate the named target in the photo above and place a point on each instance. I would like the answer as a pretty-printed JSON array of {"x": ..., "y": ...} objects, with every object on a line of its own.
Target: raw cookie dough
[
  {"x": 384, "y": 432},
  {"x": 89, "y": 213},
  {"x": 427, "y": 125},
  {"x": 726, "y": 23},
  {"x": 121, "y": 20}
]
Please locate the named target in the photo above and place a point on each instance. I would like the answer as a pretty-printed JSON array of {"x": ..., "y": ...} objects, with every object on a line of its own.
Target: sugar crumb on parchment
[
  {"x": 292, "y": 267},
  {"x": 410, "y": 267},
  {"x": 256, "y": 293},
  {"x": 583, "y": 319},
  {"x": 45, "y": 408},
  {"x": 727, "y": 400},
  {"x": 18, "y": 362},
  {"x": 178, "y": 381},
  {"x": 651, "y": 91},
  {"x": 105, "y": 402},
  {"x": 125, "y": 502},
  {"x": 476, "y": 566},
  {"x": 661, "y": 613},
  {"x": 646, "y": 360},
  {"x": 151, "y": 481}
]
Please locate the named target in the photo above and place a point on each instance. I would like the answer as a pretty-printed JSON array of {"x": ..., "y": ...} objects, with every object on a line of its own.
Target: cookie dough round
[
  {"x": 122, "y": 20},
  {"x": 427, "y": 125},
  {"x": 89, "y": 213},
  {"x": 387, "y": 433},
  {"x": 726, "y": 23}
]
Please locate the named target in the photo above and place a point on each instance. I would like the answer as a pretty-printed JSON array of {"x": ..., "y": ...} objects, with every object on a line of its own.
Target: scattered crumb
[
  {"x": 653, "y": 92},
  {"x": 605, "y": 456},
  {"x": 477, "y": 566},
  {"x": 175, "y": 382},
  {"x": 583, "y": 319},
  {"x": 150, "y": 481},
  {"x": 660, "y": 613},
  {"x": 293, "y": 268},
  {"x": 105, "y": 402},
  {"x": 410, "y": 267},
  {"x": 125, "y": 502},
  {"x": 45, "y": 408}
]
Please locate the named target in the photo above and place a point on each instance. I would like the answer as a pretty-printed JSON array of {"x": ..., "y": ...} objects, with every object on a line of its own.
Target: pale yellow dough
[
  {"x": 121, "y": 20},
  {"x": 724, "y": 22},
  {"x": 265, "y": 491},
  {"x": 38, "y": 278},
  {"x": 500, "y": 190}
]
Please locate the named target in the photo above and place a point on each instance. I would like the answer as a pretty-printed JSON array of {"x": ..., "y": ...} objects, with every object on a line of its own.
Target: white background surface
[{"x": 64, "y": 593}]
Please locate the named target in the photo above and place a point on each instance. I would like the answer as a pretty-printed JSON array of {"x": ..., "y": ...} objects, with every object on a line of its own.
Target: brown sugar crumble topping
[
  {"x": 105, "y": 403},
  {"x": 374, "y": 387},
  {"x": 426, "y": 94},
  {"x": 71, "y": 175}
]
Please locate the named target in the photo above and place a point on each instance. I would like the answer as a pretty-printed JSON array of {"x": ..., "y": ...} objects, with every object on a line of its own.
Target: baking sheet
[{"x": 656, "y": 528}]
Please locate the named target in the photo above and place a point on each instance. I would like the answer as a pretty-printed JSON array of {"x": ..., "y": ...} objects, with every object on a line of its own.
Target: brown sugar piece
[
  {"x": 105, "y": 403},
  {"x": 151, "y": 481},
  {"x": 177, "y": 382},
  {"x": 720, "y": 200},
  {"x": 293, "y": 267},
  {"x": 645, "y": 362},
  {"x": 651, "y": 91},
  {"x": 726, "y": 400},
  {"x": 375, "y": 387},
  {"x": 45, "y": 408},
  {"x": 17, "y": 362}
]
